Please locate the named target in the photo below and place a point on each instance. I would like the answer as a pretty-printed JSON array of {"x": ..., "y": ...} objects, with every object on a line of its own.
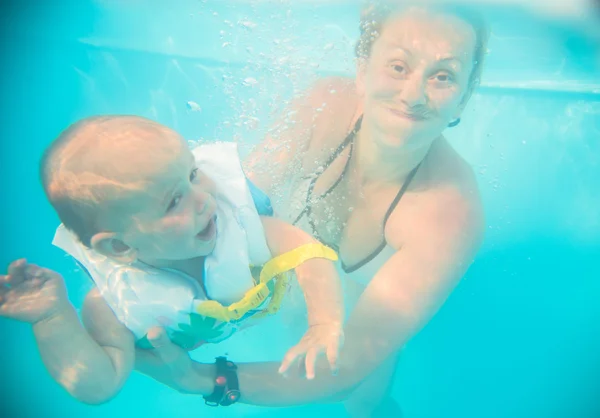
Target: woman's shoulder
[
  {"x": 335, "y": 102},
  {"x": 451, "y": 171},
  {"x": 336, "y": 86},
  {"x": 447, "y": 200},
  {"x": 454, "y": 190}
]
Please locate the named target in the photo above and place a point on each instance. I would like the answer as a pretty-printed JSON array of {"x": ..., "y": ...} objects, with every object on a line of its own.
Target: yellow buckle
[{"x": 273, "y": 269}]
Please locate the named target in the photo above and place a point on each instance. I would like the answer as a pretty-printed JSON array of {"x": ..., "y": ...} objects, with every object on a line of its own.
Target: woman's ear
[{"x": 109, "y": 245}]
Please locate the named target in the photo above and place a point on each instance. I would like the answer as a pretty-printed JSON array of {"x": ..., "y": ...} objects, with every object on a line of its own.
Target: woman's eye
[
  {"x": 398, "y": 68},
  {"x": 443, "y": 78},
  {"x": 193, "y": 174},
  {"x": 173, "y": 204}
]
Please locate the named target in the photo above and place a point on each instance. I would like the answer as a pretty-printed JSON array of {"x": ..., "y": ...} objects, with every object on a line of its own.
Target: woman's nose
[{"x": 413, "y": 91}]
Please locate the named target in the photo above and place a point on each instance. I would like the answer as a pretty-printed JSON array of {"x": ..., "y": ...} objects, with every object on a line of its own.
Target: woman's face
[{"x": 416, "y": 77}]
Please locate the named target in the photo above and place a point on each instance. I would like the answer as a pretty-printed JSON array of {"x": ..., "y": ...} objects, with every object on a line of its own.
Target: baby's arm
[
  {"x": 91, "y": 363},
  {"x": 322, "y": 290}
]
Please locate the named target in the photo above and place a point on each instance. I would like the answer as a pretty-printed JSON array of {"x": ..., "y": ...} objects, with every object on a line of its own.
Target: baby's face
[{"x": 173, "y": 217}]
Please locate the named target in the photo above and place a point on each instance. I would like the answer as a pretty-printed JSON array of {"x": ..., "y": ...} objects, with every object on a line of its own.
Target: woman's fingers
[
  {"x": 289, "y": 359},
  {"x": 333, "y": 352},
  {"x": 309, "y": 363}
]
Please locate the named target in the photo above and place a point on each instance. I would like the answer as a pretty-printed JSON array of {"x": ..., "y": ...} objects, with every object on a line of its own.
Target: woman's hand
[{"x": 325, "y": 339}]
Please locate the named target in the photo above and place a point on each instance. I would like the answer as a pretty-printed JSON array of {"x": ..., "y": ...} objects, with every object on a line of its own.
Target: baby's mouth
[{"x": 208, "y": 233}]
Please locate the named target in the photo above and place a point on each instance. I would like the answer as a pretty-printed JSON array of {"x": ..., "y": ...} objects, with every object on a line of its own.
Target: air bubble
[
  {"x": 250, "y": 82},
  {"x": 247, "y": 24},
  {"x": 193, "y": 106}
]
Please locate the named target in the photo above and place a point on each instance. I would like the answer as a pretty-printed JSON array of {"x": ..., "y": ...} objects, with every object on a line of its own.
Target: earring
[{"x": 454, "y": 123}]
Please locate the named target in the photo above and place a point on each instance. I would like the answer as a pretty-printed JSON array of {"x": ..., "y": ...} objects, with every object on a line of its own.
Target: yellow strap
[
  {"x": 292, "y": 259},
  {"x": 274, "y": 269}
]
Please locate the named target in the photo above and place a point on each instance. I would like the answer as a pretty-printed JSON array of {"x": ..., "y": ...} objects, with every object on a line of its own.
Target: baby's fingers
[
  {"x": 3, "y": 293},
  {"x": 17, "y": 266},
  {"x": 16, "y": 273},
  {"x": 168, "y": 352}
]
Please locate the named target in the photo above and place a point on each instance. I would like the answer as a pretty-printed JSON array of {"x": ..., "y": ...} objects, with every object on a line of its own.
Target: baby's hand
[
  {"x": 317, "y": 340},
  {"x": 30, "y": 293}
]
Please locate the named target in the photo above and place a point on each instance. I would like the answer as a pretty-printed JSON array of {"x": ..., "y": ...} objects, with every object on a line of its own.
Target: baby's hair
[{"x": 82, "y": 169}]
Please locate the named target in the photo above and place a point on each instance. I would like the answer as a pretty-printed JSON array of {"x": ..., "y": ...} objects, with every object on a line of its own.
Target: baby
[{"x": 174, "y": 240}]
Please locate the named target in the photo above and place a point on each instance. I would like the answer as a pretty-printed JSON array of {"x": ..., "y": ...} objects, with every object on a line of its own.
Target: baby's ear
[{"x": 107, "y": 243}]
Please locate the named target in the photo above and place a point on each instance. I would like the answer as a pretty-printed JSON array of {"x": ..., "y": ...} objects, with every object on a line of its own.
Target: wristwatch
[{"x": 227, "y": 390}]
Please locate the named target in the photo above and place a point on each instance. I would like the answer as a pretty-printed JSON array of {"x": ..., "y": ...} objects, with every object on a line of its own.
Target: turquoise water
[{"x": 518, "y": 338}]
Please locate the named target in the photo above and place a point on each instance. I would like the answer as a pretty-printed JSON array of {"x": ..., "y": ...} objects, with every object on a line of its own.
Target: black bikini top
[{"x": 307, "y": 211}]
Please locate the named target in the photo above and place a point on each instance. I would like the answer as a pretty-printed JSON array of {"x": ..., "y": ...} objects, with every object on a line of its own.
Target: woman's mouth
[
  {"x": 410, "y": 116},
  {"x": 209, "y": 231}
]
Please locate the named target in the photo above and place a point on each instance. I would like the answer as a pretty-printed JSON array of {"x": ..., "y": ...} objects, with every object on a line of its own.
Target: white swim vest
[{"x": 143, "y": 297}]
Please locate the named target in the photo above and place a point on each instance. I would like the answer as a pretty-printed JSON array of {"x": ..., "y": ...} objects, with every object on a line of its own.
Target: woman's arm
[{"x": 403, "y": 296}]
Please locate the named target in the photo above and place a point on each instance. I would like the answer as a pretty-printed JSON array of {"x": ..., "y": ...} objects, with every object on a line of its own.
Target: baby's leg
[{"x": 373, "y": 397}]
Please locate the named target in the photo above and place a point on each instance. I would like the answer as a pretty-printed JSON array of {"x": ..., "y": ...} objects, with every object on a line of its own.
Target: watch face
[{"x": 232, "y": 395}]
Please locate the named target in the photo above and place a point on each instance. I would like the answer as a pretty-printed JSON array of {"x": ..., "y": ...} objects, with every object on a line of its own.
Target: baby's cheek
[{"x": 177, "y": 225}]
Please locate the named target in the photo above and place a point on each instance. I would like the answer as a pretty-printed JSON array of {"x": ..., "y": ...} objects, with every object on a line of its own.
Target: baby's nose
[{"x": 200, "y": 201}]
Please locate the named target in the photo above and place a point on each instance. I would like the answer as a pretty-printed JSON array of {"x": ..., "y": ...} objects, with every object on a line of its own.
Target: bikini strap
[
  {"x": 347, "y": 141},
  {"x": 401, "y": 192},
  {"x": 382, "y": 245}
]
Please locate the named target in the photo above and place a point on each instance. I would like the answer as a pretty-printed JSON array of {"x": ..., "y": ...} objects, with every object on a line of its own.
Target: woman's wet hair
[{"x": 376, "y": 13}]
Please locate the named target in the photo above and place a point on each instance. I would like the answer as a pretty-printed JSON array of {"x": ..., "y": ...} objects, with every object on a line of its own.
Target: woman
[{"x": 372, "y": 176}]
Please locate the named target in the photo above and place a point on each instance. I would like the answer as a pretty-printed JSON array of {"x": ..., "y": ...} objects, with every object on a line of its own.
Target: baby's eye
[
  {"x": 173, "y": 204},
  {"x": 193, "y": 174}
]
